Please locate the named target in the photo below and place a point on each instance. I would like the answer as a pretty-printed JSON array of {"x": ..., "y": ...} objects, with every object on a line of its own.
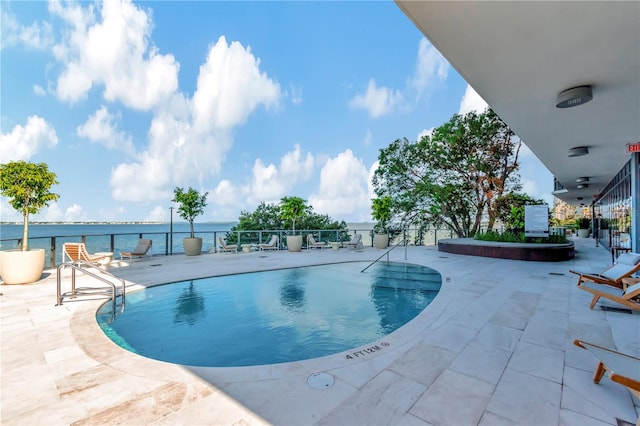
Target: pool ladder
[
  {"x": 386, "y": 253},
  {"x": 85, "y": 267}
]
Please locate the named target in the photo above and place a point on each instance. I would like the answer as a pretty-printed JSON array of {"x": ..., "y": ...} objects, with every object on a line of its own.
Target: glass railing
[{"x": 170, "y": 243}]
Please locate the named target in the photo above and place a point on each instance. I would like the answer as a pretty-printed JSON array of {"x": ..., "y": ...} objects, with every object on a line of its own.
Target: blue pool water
[{"x": 271, "y": 317}]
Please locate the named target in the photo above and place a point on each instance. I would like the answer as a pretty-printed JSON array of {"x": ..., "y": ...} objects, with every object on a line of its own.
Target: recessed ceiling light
[
  {"x": 582, "y": 179},
  {"x": 574, "y": 97},
  {"x": 583, "y": 186},
  {"x": 578, "y": 151}
]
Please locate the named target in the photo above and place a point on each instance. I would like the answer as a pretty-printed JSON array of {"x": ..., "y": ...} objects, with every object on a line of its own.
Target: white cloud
[
  {"x": 39, "y": 90},
  {"x": 430, "y": 67},
  {"x": 75, "y": 213},
  {"x": 270, "y": 183},
  {"x": 377, "y": 101},
  {"x": 23, "y": 142},
  {"x": 38, "y": 35},
  {"x": 53, "y": 213},
  {"x": 189, "y": 139},
  {"x": 230, "y": 87},
  {"x": 295, "y": 93},
  {"x": 343, "y": 188},
  {"x": 368, "y": 137},
  {"x": 471, "y": 101},
  {"x": 112, "y": 50},
  {"x": 425, "y": 132},
  {"x": 158, "y": 214},
  {"x": 101, "y": 128}
]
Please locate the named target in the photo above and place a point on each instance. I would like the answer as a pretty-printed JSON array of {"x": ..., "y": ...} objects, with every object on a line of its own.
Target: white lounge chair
[
  {"x": 224, "y": 247},
  {"x": 271, "y": 245},
  {"x": 355, "y": 243},
  {"x": 312, "y": 243}
]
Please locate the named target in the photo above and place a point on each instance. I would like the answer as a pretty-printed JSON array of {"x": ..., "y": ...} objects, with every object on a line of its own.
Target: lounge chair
[
  {"x": 626, "y": 265},
  {"x": 355, "y": 243},
  {"x": 224, "y": 247},
  {"x": 621, "y": 368},
  {"x": 271, "y": 245},
  {"x": 312, "y": 243},
  {"x": 624, "y": 297},
  {"x": 141, "y": 250},
  {"x": 78, "y": 254}
]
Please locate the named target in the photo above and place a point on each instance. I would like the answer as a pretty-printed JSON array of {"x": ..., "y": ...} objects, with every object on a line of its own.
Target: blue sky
[{"x": 250, "y": 101}]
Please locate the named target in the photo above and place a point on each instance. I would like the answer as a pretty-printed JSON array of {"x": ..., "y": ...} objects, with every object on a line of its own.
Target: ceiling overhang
[{"x": 519, "y": 56}]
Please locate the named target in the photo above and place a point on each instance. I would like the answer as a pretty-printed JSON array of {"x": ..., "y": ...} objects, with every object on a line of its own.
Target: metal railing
[
  {"x": 165, "y": 243},
  {"x": 386, "y": 253},
  {"x": 85, "y": 291}
]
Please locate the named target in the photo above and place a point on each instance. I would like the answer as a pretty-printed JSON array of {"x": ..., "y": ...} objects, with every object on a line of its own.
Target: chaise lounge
[
  {"x": 224, "y": 247},
  {"x": 355, "y": 243},
  {"x": 141, "y": 250},
  {"x": 271, "y": 245},
  {"x": 78, "y": 255},
  {"x": 626, "y": 297},
  {"x": 626, "y": 265},
  {"x": 312, "y": 243}
]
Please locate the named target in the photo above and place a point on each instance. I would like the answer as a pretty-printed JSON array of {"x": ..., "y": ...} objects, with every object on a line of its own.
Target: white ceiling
[{"x": 519, "y": 55}]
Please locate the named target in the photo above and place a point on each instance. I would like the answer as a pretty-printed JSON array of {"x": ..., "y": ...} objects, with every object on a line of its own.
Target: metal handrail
[
  {"x": 82, "y": 267},
  {"x": 403, "y": 242}
]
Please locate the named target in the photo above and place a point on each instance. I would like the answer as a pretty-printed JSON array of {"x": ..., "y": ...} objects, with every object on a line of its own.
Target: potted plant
[
  {"x": 28, "y": 187},
  {"x": 292, "y": 208},
  {"x": 584, "y": 225},
  {"x": 381, "y": 209},
  {"x": 192, "y": 205}
]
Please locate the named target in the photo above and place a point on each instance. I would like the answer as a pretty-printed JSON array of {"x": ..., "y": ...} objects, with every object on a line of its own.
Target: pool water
[{"x": 273, "y": 316}]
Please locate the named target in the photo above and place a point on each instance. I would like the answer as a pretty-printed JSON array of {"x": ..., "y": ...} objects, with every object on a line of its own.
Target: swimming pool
[{"x": 273, "y": 316}]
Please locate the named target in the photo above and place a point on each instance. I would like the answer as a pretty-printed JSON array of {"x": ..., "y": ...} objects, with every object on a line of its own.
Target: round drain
[{"x": 320, "y": 380}]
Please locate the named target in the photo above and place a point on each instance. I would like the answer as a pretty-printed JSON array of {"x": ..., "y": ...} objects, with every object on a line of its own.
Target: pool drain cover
[{"x": 320, "y": 380}]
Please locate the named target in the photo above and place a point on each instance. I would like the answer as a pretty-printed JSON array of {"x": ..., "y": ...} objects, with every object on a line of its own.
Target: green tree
[
  {"x": 292, "y": 208},
  {"x": 509, "y": 209},
  {"x": 191, "y": 203},
  {"x": 381, "y": 211},
  {"x": 452, "y": 177},
  {"x": 27, "y": 185}
]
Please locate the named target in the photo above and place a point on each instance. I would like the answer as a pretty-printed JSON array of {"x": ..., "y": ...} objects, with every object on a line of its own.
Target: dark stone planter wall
[{"x": 514, "y": 251}]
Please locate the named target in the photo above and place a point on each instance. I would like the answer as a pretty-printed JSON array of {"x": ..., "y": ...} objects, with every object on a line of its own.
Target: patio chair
[
  {"x": 271, "y": 245},
  {"x": 78, "y": 254},
  {"x": 224, "y": 247},
  {"x": 621, "y": 368},
  {"x": 141, "y": 250},
  {"x": 626, "y": 265},
  {"x": 312, "y": 243},
  {"x": 355, "y": 243},
  {"x": 626, "y": 297}
]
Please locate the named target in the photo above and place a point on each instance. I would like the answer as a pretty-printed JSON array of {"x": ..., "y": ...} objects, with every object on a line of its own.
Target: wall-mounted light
[
  {"x": 579, "y": 198},
  {"x": 578, "y": 151},
  {"x": 574, "y": 97},
  {"x": 582, "y": 179},
  {"x": 582, "y": 186}
]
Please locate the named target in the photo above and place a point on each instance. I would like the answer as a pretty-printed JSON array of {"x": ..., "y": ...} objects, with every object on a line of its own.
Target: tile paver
[{"x": 493, "y": 348}]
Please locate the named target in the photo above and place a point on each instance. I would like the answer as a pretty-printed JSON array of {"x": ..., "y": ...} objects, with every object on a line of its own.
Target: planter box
[
  {"x": 192, "y": 246},
  {"x": 294, "y": 242},
  {"x": 381, "y": 241}
]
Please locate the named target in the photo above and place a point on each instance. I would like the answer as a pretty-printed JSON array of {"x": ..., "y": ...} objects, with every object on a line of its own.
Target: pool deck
[{"x": 494, "y": 347}]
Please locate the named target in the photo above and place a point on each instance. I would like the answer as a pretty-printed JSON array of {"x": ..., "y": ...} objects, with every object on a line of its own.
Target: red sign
[{"x": 633, "y": 147}]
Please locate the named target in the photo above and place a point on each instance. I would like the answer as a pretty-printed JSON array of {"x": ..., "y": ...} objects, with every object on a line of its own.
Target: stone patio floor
[{"x": 494, "y": 348}]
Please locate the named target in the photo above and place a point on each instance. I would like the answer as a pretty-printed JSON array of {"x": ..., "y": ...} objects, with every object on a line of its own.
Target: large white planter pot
[
  {"x": 294, "y": 242},
  {"x": 21, "y": 267},
  {"x": 381, "y": 241},
  {"x": 192, "y": 246},
  {"x": 583, "y": 233}
]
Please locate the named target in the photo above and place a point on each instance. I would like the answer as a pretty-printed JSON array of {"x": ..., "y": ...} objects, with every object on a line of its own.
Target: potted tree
[
  {"x": 293, "y": 208},
  {"x": 28, "y": 187},
  {"x": 192, "y": 205},
  {"x": 584, "y": 225},
  {"x": 381, "y": 209}
]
